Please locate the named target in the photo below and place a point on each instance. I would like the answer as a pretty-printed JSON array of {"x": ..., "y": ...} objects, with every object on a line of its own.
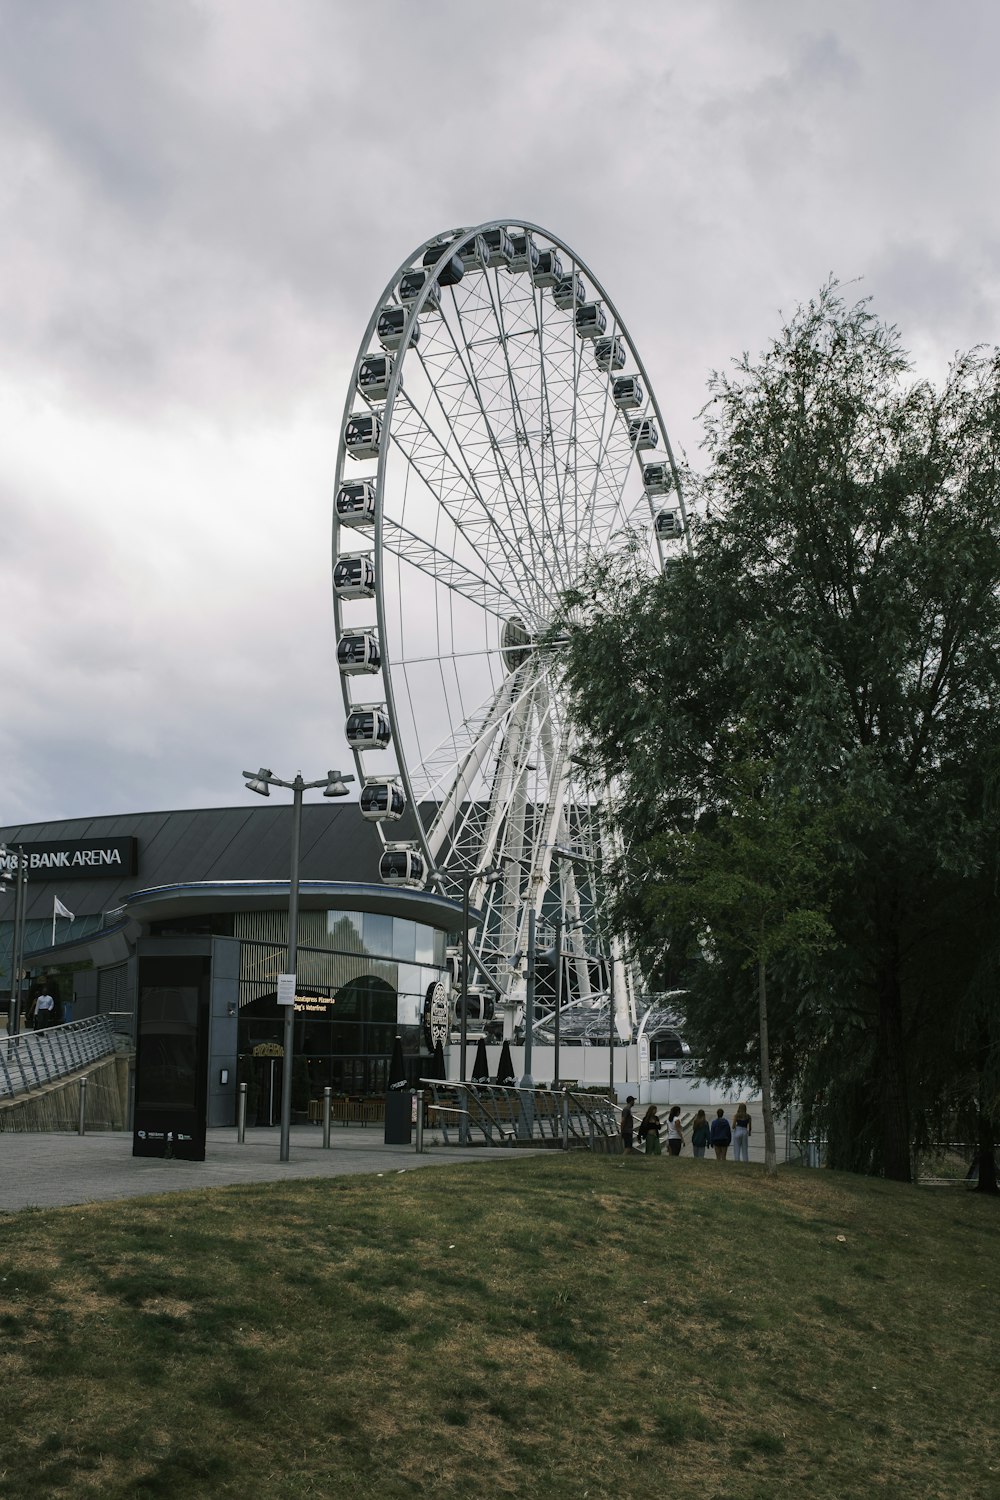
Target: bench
[{"x": 350, "y": 1109}]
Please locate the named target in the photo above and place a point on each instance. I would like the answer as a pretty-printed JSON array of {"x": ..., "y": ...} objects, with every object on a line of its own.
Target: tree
[
  {"x": 839, "y": 610},
  {"x": 747, "y": 883}
]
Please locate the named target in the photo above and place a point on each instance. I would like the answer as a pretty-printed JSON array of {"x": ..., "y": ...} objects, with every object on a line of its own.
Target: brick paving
[{"x": 57, "y": 1170}]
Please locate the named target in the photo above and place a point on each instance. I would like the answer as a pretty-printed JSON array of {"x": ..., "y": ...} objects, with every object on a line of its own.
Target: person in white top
[
  {"x": 675, "y": 1131},
  {"x": 45, "y": 1010}
]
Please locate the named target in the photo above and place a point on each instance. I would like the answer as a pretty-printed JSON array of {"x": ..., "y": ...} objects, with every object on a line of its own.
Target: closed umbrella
[
  {"x": 481, "y": 1066},
  {"x": 505, "y": 1068}
]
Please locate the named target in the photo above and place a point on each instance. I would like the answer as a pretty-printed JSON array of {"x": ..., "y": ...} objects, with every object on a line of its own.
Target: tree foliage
[
  {"x": 838, "y": 619},
  {"x": 748, "y": 883}
]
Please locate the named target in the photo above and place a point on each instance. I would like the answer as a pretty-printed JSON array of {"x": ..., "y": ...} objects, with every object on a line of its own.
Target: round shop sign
[{"x": 440, "y": 1016}]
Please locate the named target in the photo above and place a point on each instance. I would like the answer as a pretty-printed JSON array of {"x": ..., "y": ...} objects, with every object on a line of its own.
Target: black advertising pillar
[
  {"x": 171, "y": 1068},
  {"x": 398, "y": 1101}
]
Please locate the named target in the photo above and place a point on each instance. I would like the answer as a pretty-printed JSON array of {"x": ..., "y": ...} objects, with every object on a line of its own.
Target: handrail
[
  {"x": 36, "y": 1058},
  {"x": 496, "y": 1115}
]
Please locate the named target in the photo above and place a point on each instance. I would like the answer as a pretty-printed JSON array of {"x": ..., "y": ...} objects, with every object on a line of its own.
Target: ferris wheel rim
[{"x": 449, "y": 242}]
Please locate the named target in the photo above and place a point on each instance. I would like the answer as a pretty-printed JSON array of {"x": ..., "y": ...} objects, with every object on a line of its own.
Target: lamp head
[
  {"x": 336, "y": 784},
  {"x": 260, "y": 782}
]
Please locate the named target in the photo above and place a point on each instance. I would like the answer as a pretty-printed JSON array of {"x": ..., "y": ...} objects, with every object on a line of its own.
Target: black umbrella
[
  {"x": 481, "y": 1066},
  {"x": 438, "y": 1069},
  {"x": 505, "y": 1068},
  {"x": 397, "y": 1072}
]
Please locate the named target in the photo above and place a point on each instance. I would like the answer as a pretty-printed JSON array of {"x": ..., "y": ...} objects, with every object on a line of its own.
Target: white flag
[{"x": 58, "y": 910}]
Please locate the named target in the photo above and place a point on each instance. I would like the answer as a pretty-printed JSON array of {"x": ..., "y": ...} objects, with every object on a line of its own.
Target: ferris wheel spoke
[
  {"x": 499, "y": 436},
  {"x": 477, "y": 521},
  {"x": 544, "y": 555},
  {"x": 547, "y": 404},
  {"x": 434, "y": 462},
  {"x": 487, "y": 592},
  {"x": 485, "y": 437}
]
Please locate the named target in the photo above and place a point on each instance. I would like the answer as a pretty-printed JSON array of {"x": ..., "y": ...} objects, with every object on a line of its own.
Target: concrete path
[{"x": 52, "y": 1171}]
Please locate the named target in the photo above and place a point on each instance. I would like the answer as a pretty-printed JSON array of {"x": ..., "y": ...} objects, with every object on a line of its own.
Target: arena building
[{"x": 192, "y": 904}]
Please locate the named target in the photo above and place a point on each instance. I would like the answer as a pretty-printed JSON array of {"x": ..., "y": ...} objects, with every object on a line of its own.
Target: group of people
[{"x": 720, "y": 1133}]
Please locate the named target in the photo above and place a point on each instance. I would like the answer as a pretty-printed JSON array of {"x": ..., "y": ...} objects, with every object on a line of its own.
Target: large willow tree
[{"x": 839, "y": 622}]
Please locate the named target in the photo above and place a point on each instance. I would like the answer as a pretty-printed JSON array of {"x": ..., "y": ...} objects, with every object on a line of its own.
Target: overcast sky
[{"x": 201, "y": 202}]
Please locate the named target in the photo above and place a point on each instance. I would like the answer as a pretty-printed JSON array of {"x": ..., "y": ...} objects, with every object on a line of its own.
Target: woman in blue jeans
[{"x": 741, "y": 1134}]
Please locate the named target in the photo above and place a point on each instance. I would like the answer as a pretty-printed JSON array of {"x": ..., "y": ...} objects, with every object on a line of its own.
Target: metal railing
[
  {"x": 487, "y": 1114},
  {"x": 36, "y": 1058}
]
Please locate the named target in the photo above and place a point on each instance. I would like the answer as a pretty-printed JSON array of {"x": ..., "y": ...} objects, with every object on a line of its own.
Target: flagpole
[{"x": 53, "y": 922}]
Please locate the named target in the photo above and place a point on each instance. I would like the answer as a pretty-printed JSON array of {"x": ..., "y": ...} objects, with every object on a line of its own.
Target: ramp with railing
[
  {"x": 491, "y": 1115},
  {"x": 37, "y": 1058}
]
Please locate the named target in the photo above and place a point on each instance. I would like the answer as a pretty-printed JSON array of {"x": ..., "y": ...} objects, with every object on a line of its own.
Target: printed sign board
[{"x": 77, "y": 859}]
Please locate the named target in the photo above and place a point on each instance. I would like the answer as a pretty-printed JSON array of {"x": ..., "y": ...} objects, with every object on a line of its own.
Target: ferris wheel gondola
[{"x": 524, "y": 439}]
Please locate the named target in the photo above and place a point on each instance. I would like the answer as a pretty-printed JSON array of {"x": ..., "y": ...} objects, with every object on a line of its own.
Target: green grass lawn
[{"x": 552, "y": 1326}]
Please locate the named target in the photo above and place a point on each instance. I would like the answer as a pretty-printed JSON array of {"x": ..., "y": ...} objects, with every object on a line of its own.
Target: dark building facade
[{"x": 175, "y": 902}]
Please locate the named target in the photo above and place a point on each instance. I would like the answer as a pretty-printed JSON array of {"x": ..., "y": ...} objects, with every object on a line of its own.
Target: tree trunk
[
  {"x": 986, "y": 1157},
  {"x": 770, "y": 1153},
  {"x": 895, "y": 1112}
]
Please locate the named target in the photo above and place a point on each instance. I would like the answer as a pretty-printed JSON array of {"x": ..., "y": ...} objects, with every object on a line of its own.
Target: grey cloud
[{"x": 203, "y": 201}]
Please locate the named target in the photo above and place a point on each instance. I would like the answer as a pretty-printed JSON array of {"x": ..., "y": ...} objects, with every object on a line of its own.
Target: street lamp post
[
  {"x": 464, "y": 1020},
  {"x": 20, "y": 879},
  {"x": 559, "y": 964},
  {"x": 334, "y": 785},
  {"x": 611, "y": 1021},
  {"x": 528, "y": 1082}
]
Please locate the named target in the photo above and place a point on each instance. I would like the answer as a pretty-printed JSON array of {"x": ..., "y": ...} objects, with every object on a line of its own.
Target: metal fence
[
  {"x": 38, "y": 1057},
  {"x": 488, "y": 1115}
]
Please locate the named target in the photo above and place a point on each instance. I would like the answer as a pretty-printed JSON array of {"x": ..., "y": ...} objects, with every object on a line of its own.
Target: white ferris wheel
[{"x": 500, "y": 430}]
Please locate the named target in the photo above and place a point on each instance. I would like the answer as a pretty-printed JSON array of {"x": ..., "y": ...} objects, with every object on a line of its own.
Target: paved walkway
[{"x": 52, "y": 1171}]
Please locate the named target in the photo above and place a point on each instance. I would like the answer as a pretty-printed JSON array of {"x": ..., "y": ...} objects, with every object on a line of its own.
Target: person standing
[
  {"x": 700, "y": 1133},
  {"x": 721, "y": 1134},
  {"x": 649, "y": 1132},
  {"x": 675, "y": 1131},
  {"x": 742, "y": 1127},
  {"x": 45, "y": 1010},
  {"x": 628, "y": 1123}
]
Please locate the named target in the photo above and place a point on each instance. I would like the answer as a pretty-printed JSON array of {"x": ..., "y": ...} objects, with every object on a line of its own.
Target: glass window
[
  {"x": 424, "y": 949},
  {"x": 427, "y": 978},
  {"x": 344, "y": 931},
  {"x": 377, "y": 931},
  {"x": 410, "y": 980},
  {"x": 404, "y": 939},
  {"x": 408, "y": 1009}
]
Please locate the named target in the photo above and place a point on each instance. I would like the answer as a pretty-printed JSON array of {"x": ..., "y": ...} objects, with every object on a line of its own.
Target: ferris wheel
[{"x": 500, "y": 431}]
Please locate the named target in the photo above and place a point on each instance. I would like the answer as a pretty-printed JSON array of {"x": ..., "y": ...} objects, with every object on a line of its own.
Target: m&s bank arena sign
[{"x": 76, "y": 859}]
